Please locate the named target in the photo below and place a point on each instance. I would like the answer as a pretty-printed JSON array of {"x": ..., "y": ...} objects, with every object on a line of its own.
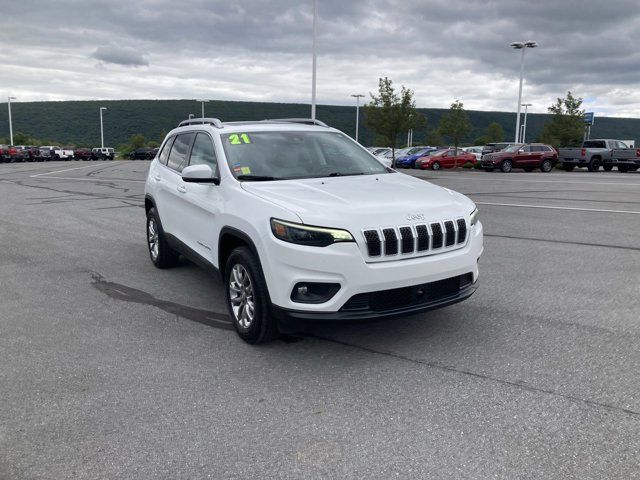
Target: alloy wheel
[
  {"x": 153, "y": 238},
  {"x": 241, "y": 296}
]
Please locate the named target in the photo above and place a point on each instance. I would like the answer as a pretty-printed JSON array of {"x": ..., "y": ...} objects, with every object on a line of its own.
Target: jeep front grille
[{"x": 416, "y": 240}]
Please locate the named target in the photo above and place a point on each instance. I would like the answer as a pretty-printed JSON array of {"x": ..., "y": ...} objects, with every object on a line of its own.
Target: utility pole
[
  {"x": 9, "y": 98},
  {"x": 313, "y": 73},
  {"x": 102, "y": 127},
  {"x": 357, "y": 96}
]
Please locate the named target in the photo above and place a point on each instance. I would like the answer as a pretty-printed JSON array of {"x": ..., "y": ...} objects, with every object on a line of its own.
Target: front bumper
[
  {"x": 294, "y": 317},
  {"x": 286, "y": 264}
]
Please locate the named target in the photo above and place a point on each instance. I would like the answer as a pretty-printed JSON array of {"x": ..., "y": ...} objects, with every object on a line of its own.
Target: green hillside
[{"x": 77, "y": 122}]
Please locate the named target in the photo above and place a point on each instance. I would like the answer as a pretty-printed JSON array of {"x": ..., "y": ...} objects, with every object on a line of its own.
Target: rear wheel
[
  {"x": 506, "y": 166},
  {"x": 546, "y": 166},
  {"x": 594, "y": 165},
  {"x": 568, "y": 167},
  {"x": 608, "y": 167},
  {"x": 435, "y": 166},
  {"x": 248, "y": 298},
  {"x": 162, "y": 255}
]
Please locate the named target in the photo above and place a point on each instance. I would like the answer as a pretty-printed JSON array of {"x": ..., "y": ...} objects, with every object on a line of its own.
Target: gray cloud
[
  {"x": 260, "y": 50},
  {"x": 120, "y": 56}
]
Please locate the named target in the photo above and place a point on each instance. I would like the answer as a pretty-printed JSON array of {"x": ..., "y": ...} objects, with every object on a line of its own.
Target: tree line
[{"x": 391, "y": 114}]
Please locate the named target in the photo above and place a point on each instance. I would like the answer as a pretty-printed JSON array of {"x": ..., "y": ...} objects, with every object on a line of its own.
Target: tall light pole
[
  {"x": 523, "y": 137},
  {"x": 521, "y": 46},
  {"x": 102, "y": 127},
  {"x": 357, "y": 96},
  {"x": 202, "y": 102},
  {"x": 9, "y": 98},
  {"x": 313, "y": 73}
]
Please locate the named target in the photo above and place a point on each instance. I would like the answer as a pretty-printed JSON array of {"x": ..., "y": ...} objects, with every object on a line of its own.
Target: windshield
[
  {"x": 281, "y": 155},
  {"x": 512, "y": 148}
]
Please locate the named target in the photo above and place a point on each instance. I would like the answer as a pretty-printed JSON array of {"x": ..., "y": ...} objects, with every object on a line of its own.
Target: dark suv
[
  {"x": 521, "y": 155},
  {"x": 83, "y": 154},
  {"x": 144, "y": 153}
]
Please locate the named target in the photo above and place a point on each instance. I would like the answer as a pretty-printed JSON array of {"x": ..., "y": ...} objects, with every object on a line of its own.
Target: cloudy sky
[{"x": 261, "y": 50}]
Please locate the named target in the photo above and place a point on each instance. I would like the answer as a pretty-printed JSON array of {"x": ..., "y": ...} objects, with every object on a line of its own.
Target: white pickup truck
[{"x": 58, "y": 153}]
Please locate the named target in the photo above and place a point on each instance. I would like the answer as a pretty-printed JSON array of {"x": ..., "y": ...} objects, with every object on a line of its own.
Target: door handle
[
  {"x": 157, "y": 178},
  {"x": 182, "y": 189}
]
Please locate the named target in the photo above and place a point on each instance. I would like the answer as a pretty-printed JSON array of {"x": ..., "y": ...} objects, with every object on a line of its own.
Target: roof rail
[
  {"x": 201, "y": 121},
  {"x": 305, "y": 121}
]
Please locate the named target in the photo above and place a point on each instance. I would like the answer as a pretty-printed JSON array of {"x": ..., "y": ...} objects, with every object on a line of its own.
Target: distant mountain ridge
[{"x": 78, "y": 122}]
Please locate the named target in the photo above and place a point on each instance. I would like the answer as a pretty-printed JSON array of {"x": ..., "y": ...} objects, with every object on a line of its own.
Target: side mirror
[{"x": 199, "y": 174}]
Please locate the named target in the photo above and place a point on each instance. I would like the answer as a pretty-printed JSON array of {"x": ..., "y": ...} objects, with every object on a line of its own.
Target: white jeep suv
[{"x": 304, "y": 224}]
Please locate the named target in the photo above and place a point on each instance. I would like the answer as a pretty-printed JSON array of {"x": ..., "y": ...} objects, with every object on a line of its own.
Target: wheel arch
[{"x": 230, "y": 238}]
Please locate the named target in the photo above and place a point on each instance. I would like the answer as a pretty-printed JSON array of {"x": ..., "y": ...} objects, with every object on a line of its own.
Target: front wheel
[
  {"x": 546, "y": 166},
  {"x": 506, "y": 166},
  {"x": 248, "y": 298},
  {"x": 594, "y": 165},
  {"x": 435, "y": 166}
]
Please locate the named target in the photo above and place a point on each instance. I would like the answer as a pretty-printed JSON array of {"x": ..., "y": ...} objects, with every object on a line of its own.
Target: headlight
[
  {"x": 474, "y": 217},
  {"x": 307, "y": 235}
]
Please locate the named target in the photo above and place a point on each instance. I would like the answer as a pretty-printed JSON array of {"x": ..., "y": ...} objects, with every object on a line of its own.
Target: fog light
[{"x": 311, "y": 292}]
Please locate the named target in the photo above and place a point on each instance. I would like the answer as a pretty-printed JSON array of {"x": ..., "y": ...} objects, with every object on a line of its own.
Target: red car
[
  {"x": 522, "y": 155},
  {"x": 449, "y": 158}
]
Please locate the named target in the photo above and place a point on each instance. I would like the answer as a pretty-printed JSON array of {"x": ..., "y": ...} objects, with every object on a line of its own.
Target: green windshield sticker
[{"x": 239, "y": 138}]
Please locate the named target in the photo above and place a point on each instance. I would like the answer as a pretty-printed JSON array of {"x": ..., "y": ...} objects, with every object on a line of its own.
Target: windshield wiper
[
  {"x": 257, "y": 178},
  {"x": 338, "y": 174}
]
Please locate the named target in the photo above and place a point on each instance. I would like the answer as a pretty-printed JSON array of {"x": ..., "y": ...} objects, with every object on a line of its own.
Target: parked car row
[{"x": 30, "y": 153}]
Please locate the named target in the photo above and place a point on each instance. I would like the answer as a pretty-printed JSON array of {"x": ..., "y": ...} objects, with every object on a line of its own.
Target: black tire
[
  {"x": 594, "y": 165},
  {"x": 608, "y": 167},
  {"x": 252, "y": 289},
  {"x": 506, "y": 166},
  {"x": 623, "y": 168},
  {"x": 489, "y": 169},
  {"x": 546, "y": 166},
  {"x": 568, "y": 167},
  {"x": 435, "y": 166},
  {"x": 164, "y": 256}
]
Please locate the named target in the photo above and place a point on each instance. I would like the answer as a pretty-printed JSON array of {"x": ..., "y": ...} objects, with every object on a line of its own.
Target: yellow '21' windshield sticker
[{"x": 239, "y": 138}]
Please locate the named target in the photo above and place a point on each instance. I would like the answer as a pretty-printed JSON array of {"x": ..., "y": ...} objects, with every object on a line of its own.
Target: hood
[{"x": 361, "y": 202}]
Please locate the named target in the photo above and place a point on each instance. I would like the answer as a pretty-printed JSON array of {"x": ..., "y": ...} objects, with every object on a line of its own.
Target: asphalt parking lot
[{"x": 114, "y": 369}]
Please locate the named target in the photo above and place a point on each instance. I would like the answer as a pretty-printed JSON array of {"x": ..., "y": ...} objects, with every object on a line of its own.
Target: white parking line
[
  {"x": 553, "y": 207},
  {"x": 527, "y": 180},
  {"x": 95, "y": 179},
  {"x": 60, "y": 171}
]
